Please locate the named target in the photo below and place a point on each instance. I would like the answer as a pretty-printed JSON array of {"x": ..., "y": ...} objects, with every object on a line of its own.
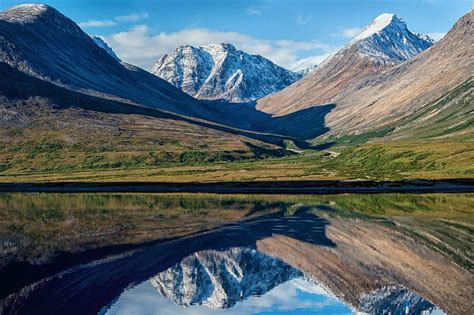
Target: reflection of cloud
[
  {"x": 296, "y": 294},
  {"x": 310, "y": 287}
]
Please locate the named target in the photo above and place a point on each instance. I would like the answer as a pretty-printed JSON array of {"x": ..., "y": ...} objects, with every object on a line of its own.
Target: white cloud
[
  {"x": 436, "y": 36},
  {"x": 348, "y": 32},
  {"x": 97, "y": 23},
  {"x": 253, "y": 11},
  {"x": 139, "y": 47},
  {"x": 133, "y": 17},
  {"x": 310, "y": 61},
  {"x": 303, "y": 19}
]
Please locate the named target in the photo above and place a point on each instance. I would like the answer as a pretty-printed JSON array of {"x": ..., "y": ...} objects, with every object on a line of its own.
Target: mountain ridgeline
[
  {"x": 383, "y": 44},
  {"x": 100, "y": 42},
  {"x": 387, "y": 81},
  {"x": 42, "y": 42},
  {"x": 221, "y": 72},
  {"x": 372, "y": 83}
]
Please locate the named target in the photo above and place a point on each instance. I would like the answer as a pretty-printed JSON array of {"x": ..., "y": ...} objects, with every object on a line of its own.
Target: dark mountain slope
[{"x": 40, "y": 41}]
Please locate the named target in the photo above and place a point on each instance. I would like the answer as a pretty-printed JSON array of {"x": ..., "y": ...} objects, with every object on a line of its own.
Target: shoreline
[{"x": 260, "y": 187}]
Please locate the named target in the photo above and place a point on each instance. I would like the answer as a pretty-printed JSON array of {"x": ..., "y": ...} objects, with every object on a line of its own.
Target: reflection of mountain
[
  {"x": 394, "y": 300},
  {"x": 356, "y": 260},
  {"x": 219, "y": 279}
]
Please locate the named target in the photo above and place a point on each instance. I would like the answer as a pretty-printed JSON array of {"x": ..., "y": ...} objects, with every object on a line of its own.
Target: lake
[{"x": 145, "y": 253}]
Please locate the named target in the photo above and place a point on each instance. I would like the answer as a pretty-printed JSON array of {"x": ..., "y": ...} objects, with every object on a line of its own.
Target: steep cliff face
[{"x": 220, "y": 71}]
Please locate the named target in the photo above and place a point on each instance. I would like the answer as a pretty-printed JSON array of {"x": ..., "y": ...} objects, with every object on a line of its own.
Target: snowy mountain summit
[
  {"x": 387, "y": 38},
  {"x": 221, "y": 72}
]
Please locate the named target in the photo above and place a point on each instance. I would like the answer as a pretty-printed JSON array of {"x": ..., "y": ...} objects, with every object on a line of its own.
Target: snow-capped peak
[
  {"x": 387, "y": 39},
  {"x": 221, "y": 71},
  {"x": 32, "y": 7},
  {"x": 24, "y": 13},
  {"x": 380, "y": 22}
]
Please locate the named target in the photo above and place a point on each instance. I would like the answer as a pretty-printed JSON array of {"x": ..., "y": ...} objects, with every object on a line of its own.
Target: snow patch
[{"x": 380, "y": 22}]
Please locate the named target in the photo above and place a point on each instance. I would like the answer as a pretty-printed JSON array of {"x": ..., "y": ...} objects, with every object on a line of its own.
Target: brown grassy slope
[
  {"x": 39, "y": 138},
  {"x": 387, "y": 97},
  {"x": 368, "y": 256},
  {"x": 346, "y": 68}
]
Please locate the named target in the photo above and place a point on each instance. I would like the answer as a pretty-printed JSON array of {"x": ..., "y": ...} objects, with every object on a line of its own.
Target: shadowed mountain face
[{"x": 40, "y": 41}]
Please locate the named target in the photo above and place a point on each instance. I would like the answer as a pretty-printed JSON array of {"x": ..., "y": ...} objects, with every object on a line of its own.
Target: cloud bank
[{"x": 140, "y": 47}]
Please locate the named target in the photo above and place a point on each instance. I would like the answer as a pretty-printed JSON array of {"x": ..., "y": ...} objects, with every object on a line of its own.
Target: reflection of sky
[{"x": 296, "y": 296}]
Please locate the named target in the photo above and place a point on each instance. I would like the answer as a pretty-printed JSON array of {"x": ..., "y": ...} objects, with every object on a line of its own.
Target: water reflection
[
  {"x": 250, "y": 282},
  {"x": 296, "y": 296},
  {"x": 219, "y": 279},
  {"x": 286, "y": 255}
]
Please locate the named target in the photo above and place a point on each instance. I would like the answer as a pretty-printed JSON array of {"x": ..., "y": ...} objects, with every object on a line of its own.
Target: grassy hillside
[
  {"x": 380, "y": 161},
  {"x": 450, "y": 116},
  {"x": 36, "y": 136},
  {"x": 40, "y": 141}
]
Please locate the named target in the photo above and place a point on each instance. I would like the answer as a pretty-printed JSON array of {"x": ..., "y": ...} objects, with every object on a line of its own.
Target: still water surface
[{"x": 216, "y": 254}]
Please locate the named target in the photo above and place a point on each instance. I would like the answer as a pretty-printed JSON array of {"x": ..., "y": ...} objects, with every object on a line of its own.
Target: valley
[
  {"x": 260, "y": 159},
  {"x": 61, "y": 127}
]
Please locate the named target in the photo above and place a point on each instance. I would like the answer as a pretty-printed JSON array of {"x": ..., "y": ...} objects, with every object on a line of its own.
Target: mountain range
[
  {"x": 386, "y": 82},
  {"x": 372, "y": 93},
  {"x": 383, "y": 44},
  {"x": 221, "y": 72}
]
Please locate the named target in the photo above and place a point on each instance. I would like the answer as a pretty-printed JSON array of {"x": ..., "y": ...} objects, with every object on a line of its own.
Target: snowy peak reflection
[{"x": 220, "y": 279}]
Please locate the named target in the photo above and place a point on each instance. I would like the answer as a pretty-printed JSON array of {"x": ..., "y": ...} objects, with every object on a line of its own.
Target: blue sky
[{"x": 285, "y": 31}]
